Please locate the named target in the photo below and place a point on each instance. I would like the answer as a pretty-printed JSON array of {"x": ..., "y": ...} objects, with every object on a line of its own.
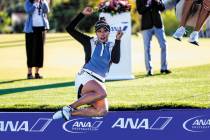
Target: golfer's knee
[{"x": 101, "y": 94}]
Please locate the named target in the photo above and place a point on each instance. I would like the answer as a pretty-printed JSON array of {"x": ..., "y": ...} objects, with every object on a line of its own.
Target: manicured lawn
[{"x": 187, "y": 87}]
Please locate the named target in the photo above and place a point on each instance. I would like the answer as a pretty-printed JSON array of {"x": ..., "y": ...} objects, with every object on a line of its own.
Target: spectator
[
  {"x": 151, "y": 24},
  {"x": 35, "y": 27}
]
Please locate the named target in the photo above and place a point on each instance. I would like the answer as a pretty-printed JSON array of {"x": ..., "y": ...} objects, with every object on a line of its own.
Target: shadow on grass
[
  {"x": 47, "y": 108},
  {"x": 158, "y": 107},
  {"x": 11, "y": 81},
  {"x": 33, "y": 88},
  {"x": 146, "y": 76},
  {"x": 139, "y": 76}
]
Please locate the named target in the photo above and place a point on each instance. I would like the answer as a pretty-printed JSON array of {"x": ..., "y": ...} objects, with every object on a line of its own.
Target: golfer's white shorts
[{"x": 82, "y": 78}]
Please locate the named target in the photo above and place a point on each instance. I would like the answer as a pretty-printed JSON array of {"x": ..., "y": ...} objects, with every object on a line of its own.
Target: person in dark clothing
[
  {"x": 99, "y": 55},
  {"x": 35, "y": 27},
  {"x": 151, "y": 24}
]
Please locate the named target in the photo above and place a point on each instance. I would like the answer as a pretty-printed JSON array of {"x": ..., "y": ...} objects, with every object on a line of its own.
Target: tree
[
  {"x": 64, "y": 12},
  {"x": 5, "y": 21}
]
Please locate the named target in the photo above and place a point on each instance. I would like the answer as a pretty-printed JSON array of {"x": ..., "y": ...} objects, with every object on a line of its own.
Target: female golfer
[
  {"x": 203, "y": 15},
  {"x": 99, "y": 55}
]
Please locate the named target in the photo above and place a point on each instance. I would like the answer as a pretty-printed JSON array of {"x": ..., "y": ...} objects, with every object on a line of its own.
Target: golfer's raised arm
[{"x": 71, "y": 29}]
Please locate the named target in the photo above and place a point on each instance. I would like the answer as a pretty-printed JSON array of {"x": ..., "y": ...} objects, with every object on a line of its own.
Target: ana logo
[
  {"x": 23, "y": 126},
  {"x": 13, "y": 126},
  {"x": 82, "y": 125},
  {"x": 121, "y": 28},
  {"x": 197, "y": 124},
  {"x": 159, "y": 124}
]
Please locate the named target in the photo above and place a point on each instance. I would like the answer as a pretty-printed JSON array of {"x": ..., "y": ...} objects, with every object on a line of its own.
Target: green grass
[
  {"x": 187, "y": 87},
  {"x": 184, "y": 88}
]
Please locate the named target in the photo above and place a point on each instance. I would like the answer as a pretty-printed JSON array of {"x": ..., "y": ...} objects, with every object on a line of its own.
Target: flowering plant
[{"x": 114, "y": 6}]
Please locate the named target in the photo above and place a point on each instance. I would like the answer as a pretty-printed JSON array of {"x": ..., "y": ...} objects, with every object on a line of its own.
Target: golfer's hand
[
  {"x": 87, "y": 11},
  {"x": 206, "y": 4},
  {"x": 119, "y": 35}
]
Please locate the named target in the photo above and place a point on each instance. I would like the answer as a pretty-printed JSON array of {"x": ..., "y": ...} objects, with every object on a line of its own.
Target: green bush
[
  {"x": 5, "y": 22},
  {"x": 64, "y": 12},
  {"x": 135, "y": 18},
  {"x": 170, "y": 22}
]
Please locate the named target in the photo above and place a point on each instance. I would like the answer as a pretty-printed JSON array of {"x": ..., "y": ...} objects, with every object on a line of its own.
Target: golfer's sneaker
[
  {"x": 58, "y": 115},
  {"x": 65, "y": 113},
  {"x": 179, "y": 33},
  {"x": 194, "y": 38}
]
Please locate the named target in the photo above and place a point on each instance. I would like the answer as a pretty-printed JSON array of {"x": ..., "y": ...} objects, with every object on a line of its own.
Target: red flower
[{"x": 114, "y": 6}]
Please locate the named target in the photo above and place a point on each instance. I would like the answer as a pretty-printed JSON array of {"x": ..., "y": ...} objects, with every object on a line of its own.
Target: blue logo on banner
[
  {"x": 82, "y": 125},
  {"x": 40, "y": 125},
  {"x": 131, "y": 123},
  {"x": 197, "y": 124},
  {"x": 148, "y": 125},
  {"x": 121, "y": 28},
  {"x": 16, "y": 126},
  {"x": 161, "y": 123}
]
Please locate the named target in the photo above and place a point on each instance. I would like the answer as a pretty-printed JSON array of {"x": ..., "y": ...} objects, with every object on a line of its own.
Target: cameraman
[{"x": 151, "y": 24}]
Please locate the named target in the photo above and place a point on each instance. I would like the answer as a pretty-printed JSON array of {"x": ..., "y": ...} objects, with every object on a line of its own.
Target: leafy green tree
[
  {"x": 170, "y": 22},
  {"x": 5, "y": 21},
  {"x": 135, "y": 18},
  {"x": 64, "y": 12}
]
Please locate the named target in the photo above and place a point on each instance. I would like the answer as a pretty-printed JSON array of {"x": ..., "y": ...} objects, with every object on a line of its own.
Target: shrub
[
  {"x": 170, "y": 22},
  {"x": 5, "y": 23},
  {"x": 64, "y": 12}
]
